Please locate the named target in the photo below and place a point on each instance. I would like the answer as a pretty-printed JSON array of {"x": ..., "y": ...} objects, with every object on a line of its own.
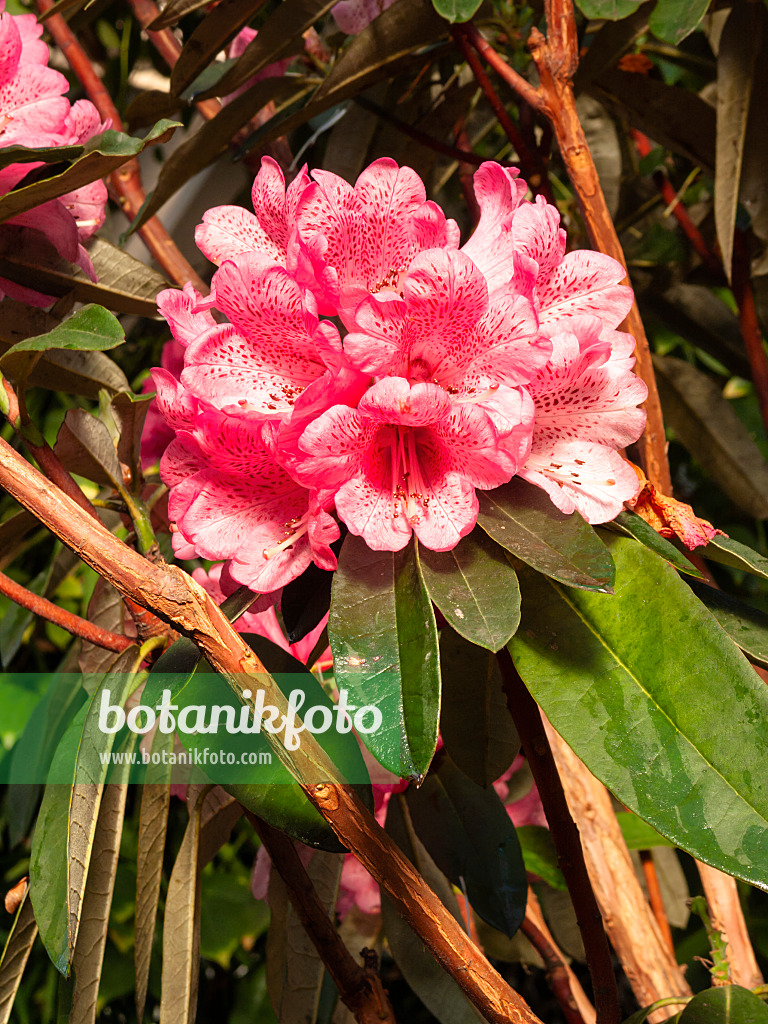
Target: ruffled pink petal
[
  {"x": 34, "y": 102},
  {"x": 179, "y": 309},
  {"x": 84, "y": 121},
  {"x": 334, "y": 446},
  {"x": 538, "y": 234},
  {"x": 59, "y": 227},
  {"x": 179, "y": 463},
  {"x": 585, "y": 282},
  {"x": 507, "y": 347},
  {"x": 366, "y": 504},
  {"x": 228, "y": 231},
  {"x": 394, "y": 400},
  {"x": 34, "y": 50},
  {"x": 10, "y": 47},
  {"x": 499, "y": 192},
  {"x": 86, "y": 205},
  {"x": 467, "y": 443},
  {"x": 591, "y": 479},
  {"x": 376, "y": 343},
  {"x": 451, "y": 513}
]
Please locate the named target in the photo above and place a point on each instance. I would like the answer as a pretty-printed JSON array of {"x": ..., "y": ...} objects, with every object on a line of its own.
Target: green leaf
[
  {"x": 15, "y": 955},
  {"x": 89, "y": 329},
  {"x": 636, "y": 526},
  {"x": 521, "y": 518},
  {"x": 736, "y": 555},
  {"x": 747, "y": 626},
  {"x": 639, "y": 684},
  {"x": 431, "y": 983},
  {"x": 469, "y": 835},
  {"x": 728, "y": 1004},
  {"x": 475, "y": 587},
  {"x": 609, "y": 10},
  {"x": 707, "y": 424},
  {"x": 673, "y": 20},
  {"x": 540, "y": 855},
  {"x": 456, "y": 10},
  {"x": 738, "y": 63},
  {"x": 638, "y": 834},
  {"x": 476, "y": 727},
  {"x": 100, "y": 156},
  {"x": 384, "y": 641}
]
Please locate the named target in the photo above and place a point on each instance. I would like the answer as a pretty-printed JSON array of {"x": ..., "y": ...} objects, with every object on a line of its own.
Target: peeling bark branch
[{"x": 179, "y": 600}]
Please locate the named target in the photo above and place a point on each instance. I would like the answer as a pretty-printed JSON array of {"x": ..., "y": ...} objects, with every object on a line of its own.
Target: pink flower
[
  {"x": 586, "y": 401},
  {"x": 238, "y": 47},
  {"x": 34, "y": 112}
]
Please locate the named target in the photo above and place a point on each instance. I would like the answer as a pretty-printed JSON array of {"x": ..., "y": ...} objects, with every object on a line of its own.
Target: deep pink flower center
[{"x": 408, "y": 482}]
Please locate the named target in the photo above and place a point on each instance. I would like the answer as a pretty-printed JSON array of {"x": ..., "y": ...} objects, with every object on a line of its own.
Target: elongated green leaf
[
  {"x": 62, "y": 845},
  {"x": 636, "y": 526},
  {"x": 470, "y": 837},
  {"x": 673, "y": 20},
  {"x": 384, "y": 642},
  {"x": 521, "y": 518},
  {"x": 477, "y": 730},
  {"x": 631, "y": 681},
  {"x": 731, "y": 552},
  {"x": 279, "y": 37},
  {"x": 181, "y": 925},
  {"x": 540, "y": 855},
  {"x": 92, "y": 936},
  {"x": 747, "y": 626},
  {"x": 611, "y": 10},
  {"x": 475, "y": 587},
  {"x": 295, "y": 972},
  {"x": 638, "y": 834},
  {"x": 729, "y": 1004},
  {"x": 737, "y": 65},
  {"x": 707, "y": 425},
  {"x": 100, "y": 156},
  {"x": 153, "y": 822},
  {"x": 15, "y": 955},
  {"x": 214, "y": 137},
  {"x": 89, "y": 329},
  {"x": 433, "y": 985}
]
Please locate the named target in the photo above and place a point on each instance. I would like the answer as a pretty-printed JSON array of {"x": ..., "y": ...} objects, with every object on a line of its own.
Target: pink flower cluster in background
[
  {"x": 373, "y": 370},
  {"x": 35, "y": 112}
]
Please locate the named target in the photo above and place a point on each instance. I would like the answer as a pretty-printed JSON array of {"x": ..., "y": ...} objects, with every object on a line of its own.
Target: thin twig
[
  {"x": 362, "y": 993},
  {"x": 176, "y": 598},
  {"x": 750, "y": 326},
  {"x": 126, "y": 180},
  {"x": 655, "y": 899},
  {"x": 527, "y": 718},
  {"x": 60, "y": 617},
  {"x": 565, "y": 986}
]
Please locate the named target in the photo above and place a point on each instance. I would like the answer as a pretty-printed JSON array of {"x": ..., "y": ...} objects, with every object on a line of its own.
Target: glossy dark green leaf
[
  {"x": 456, "y": 10},
  {"x": 305, "y": 601},
  {"x": 384, "y": 641},
  {"x": 747, "y": 626},
  {"x": 636, "y": 526},
  {"x": 431, "y": 983},
  {"x": 469, "y": 835},
  {"x": 279, "y": 37},
  {"x": 475, "y": 587},
  {"x": 728, "y": 1004},
  {"x": 540, "y": 855},
  {"x": 673, "y": 20},
  {"x": 733, "y": 553},
  {"x": 521, "y": 518},
  {"x": 707, "y": 424},
  {"x": 100, "y": 156},
  {"x": 476, "y": 727},
  {"x": 611, "y": 10},
  {"x": 638, "y": 834},
  {"x": 91, "y": 328},
  {"x": 639, "y": 685}
]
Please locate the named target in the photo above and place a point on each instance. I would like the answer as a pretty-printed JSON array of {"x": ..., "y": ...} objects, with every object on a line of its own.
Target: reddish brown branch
[
  {"x": 126, "y": 180},
  {"x": 359, "y": 990},
  {"x": 565, "y": 986},
  {"x": 527, "y": 718},
  {"x": 177, "y": 599},
  {"x": 654, "y": 898},
  {"x": 60, "y": 617},
  {"x": 556, "y": 59},
  {"x": 750, "y": 327}
]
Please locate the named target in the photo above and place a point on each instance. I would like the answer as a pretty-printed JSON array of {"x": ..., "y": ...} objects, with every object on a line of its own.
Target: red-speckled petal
[{"x": 585, "y": 282}]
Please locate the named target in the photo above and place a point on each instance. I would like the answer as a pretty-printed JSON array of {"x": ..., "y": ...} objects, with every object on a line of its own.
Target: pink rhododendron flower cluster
[
  {"x": 455, "y": 369},
  {"x": 35, "y": 112}
]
